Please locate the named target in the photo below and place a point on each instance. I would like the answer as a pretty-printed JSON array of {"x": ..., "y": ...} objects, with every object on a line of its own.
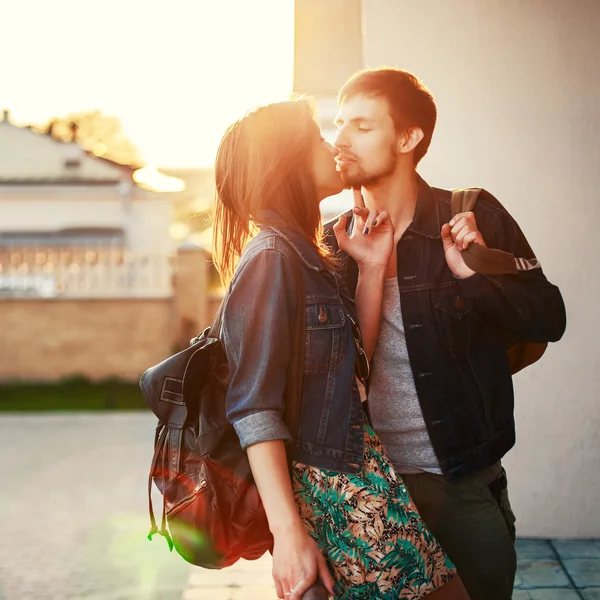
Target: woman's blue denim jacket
[{"x": 256, "y": 335}]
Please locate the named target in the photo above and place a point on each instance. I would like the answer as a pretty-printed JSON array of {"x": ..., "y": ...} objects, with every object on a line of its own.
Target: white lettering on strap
[{"x": 524, "y": 264}]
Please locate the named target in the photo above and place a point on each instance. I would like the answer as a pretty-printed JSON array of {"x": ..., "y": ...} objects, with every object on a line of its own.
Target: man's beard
[{"x": 356, "y": 176}]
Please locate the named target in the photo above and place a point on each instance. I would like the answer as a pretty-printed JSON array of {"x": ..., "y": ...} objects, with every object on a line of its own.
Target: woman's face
[{"x": 328, "y": 180}]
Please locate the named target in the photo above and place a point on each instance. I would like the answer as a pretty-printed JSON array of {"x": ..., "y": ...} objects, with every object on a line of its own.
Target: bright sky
[{"x": 176, "y": 73}]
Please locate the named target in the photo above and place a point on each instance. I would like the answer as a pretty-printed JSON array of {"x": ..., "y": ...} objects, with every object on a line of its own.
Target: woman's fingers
[
  {"x": 325, "y": 576},
  {"x": 298, "y": 591},
  {"x": 369, "y": 221},
  {"x": 340, "y": 225},
  {"x": 278, "y": 586},
  {"x": 361, "y": 212},
  {"x": 359, "y": 201},
  {"x": 339, "y": 230},
  {"x": 381, "y": 218},
  {"x": 283, "y": 589}
]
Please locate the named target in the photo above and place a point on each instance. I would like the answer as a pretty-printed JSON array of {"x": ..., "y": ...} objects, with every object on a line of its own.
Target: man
[{"x": 440, "y": 392}]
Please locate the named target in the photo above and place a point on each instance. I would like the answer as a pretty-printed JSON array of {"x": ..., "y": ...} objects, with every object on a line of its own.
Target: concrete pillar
[
  {"x": 328, "y": 48},
  {"x": 327, "y": 45}
]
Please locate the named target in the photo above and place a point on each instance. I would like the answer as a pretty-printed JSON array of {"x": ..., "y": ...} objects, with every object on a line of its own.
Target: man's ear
[{"x": 409, "y": 139}]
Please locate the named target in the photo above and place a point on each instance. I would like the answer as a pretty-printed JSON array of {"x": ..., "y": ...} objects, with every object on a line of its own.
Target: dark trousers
[{"x": 473, "y": 521}]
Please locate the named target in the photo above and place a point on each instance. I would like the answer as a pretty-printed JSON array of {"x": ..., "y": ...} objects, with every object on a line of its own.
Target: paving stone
[
  {"x": 540, "y": 574},
  {"x": 585, "y": 572},
  {"x": 534, "y": 549},
  {"x": 567, "y": 549},
  {"x": 204, "y": 593},
  {"x": 248, "y": 592},
  {"x": 255, "y": 592},
  {"x": 590, "y": 593},
  {"x": 246, "y": 580},
  {"x": 229, "y": 578},
  {"x": 554, "y": 594},
  {"x": 546, "y": 594}
]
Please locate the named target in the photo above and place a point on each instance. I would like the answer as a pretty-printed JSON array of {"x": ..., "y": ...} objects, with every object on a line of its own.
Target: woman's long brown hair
[{"x": 263, "y": 162}]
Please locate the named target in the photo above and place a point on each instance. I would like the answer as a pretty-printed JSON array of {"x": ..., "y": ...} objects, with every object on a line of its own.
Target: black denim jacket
[{"x": 456, "y": 330}]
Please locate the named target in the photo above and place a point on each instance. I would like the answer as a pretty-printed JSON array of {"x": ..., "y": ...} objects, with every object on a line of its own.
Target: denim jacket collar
[
  {"x": 426, "y": 220},
  {"x": 270, "y": 219}
]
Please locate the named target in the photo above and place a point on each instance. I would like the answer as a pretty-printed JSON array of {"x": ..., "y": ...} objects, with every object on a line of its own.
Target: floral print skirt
[{"x": 368, "y": 528}]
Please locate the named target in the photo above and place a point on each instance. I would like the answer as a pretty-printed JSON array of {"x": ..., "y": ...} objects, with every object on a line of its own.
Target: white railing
[{"x": 83, "y": 273}]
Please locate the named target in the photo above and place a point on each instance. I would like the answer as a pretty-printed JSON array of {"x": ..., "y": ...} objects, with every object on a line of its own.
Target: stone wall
[{"x": 46, "y": 339}]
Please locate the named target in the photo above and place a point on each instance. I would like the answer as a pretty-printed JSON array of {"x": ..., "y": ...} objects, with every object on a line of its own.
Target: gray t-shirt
[{"x": 393, "y": 402}]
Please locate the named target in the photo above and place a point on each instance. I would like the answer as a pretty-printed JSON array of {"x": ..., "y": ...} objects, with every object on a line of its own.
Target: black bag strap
[{"x": 479, "y": 258}]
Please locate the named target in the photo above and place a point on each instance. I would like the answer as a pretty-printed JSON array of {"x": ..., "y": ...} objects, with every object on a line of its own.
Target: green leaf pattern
[{"x": 369, "y": 529}]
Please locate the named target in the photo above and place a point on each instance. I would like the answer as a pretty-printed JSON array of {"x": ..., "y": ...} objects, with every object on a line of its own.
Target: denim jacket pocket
[
  {"x": 325, "y": 336},
  {"x": 453, "y": 313}
]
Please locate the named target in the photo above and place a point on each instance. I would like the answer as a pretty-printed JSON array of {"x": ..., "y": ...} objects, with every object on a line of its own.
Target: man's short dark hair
[{"x": 411, "y": 103}]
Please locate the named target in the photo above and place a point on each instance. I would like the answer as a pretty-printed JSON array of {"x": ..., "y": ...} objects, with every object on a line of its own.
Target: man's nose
[{"x": 341, "y": 140}]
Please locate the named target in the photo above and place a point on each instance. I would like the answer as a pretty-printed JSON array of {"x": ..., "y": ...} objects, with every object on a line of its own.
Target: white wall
[
  {"x": 518, "y": 90},
  {"x": 145, "y": 216},
  {"x": 51, "y": 208},
  {"x": 149, "y": 223}
]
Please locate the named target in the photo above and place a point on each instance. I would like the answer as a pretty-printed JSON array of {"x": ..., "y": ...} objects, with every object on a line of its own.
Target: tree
[{"x": 97, "y": 133}]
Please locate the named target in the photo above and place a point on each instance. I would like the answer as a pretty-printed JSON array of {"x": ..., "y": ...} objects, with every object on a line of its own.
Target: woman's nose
[{"x": 334, "y": 150}]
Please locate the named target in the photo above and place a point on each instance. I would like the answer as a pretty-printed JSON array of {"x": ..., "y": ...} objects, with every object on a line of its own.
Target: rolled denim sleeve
[
  {"x": 256, "y": 333},
  {"x": 525, "y": 303}
]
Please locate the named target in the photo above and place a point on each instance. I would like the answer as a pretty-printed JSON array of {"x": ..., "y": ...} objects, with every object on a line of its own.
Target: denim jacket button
[
  {"x": 459, "y": 303},
  {"x": 322, "y": 315}
]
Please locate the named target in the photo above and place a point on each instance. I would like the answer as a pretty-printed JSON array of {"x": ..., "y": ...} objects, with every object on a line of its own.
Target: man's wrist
[{"x": 463, "y": 277}]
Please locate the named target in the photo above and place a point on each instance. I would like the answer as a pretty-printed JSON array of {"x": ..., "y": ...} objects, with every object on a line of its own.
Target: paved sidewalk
[
  {"x": 73, "y": 516},
  {"x": 558, "y": 570}
]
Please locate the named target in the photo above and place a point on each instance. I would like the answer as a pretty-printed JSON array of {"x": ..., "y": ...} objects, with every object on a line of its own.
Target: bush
[{"x": 72, "y": 394}]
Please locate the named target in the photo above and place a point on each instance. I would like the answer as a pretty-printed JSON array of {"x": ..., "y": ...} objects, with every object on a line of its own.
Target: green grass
[{"x": 73, "y": 394}]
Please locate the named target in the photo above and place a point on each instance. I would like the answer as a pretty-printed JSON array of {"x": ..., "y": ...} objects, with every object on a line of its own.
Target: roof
[{"x": 30, "y": 157}]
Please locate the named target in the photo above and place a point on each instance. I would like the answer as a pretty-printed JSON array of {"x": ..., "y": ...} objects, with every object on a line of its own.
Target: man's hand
[
  {"x": 371, "y": 241},
  {"x": 456, "y": 237}
]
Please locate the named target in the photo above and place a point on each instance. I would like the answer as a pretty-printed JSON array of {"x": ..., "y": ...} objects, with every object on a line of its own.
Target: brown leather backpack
[
  {"x": 488, "y": 261},
  {"x": 210, "y": 500}
]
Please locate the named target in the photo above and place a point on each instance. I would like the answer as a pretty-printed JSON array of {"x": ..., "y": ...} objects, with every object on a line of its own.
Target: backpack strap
[
  {"x": 215, "y": 327},
  {"x": 480, "y": 259}
]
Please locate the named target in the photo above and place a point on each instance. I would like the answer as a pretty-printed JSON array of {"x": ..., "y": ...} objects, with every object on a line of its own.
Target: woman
[{"x": 343, "y": 507}]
